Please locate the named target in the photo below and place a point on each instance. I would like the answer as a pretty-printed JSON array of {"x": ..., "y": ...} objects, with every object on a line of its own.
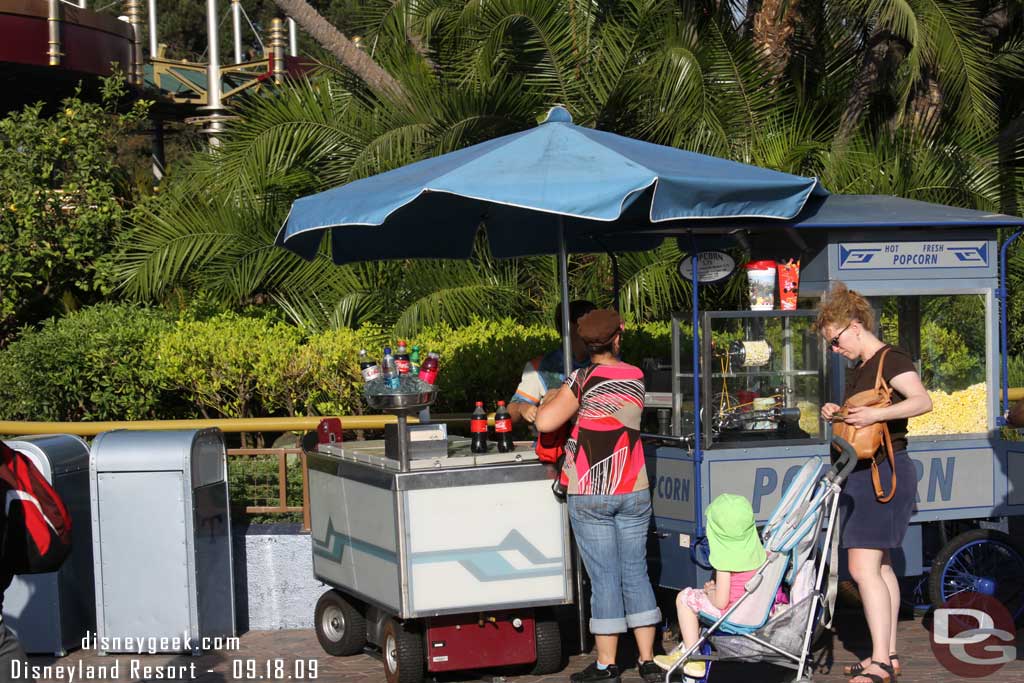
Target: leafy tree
[{"x": 62, "y": 202}]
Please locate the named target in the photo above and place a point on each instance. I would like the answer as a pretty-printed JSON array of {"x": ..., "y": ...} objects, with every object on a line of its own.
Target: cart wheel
[
  {"x": 340, "y": 628},
  {"x": 984, "y": 561},
  {"x": 548, "y": 638},
  {"x": 403, "y": 653}
]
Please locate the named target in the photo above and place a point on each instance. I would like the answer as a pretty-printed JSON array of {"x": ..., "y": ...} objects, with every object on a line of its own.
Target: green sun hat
[{"x": 732, "y": 536}]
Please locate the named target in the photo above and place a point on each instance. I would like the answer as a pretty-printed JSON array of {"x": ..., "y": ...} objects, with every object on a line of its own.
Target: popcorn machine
[{"x": 763, "y": 376}]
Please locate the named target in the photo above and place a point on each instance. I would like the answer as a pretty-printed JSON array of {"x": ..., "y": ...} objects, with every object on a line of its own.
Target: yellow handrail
[{"x": 255, "y": 424}]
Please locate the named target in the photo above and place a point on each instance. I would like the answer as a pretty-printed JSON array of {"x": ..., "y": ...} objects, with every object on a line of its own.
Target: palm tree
[
  {"x": 335, "y": 42},
  {"x": 688, "y": 74}
]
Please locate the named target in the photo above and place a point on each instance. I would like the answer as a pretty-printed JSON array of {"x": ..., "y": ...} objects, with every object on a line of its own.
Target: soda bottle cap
[
  {"x": 480, "y": 403},
  {"x": 415, "y": 347},
  {"x": 387, "y": 350},
  {"x": 501, "y": 403}
]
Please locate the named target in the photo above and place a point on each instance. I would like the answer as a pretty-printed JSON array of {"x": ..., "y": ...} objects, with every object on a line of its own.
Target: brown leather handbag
[{"x": 868, "y": 440}]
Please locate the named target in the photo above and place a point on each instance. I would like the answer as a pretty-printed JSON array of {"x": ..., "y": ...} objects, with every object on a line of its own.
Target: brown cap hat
[{"x": 598, "y": 327}]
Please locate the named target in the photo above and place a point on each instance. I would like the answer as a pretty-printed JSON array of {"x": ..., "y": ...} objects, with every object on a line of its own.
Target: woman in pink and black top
[{"x": 608, "y": 494}]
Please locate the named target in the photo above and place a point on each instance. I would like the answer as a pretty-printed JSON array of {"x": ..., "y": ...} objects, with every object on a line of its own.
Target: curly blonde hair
[{"x": 843, "y": 305}]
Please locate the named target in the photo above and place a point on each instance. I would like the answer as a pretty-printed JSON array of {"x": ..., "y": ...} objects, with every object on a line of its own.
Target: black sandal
[
  {"x": 854, "y": 669},
  {"x": 875, "y": 678}
]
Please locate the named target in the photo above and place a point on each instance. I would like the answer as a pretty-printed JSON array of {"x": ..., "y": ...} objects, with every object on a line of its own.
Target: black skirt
[{"x": 866, "y": 523}]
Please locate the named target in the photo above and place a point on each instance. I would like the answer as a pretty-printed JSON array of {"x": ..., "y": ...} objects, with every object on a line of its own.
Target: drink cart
[
  {"x": 441, "y": 558},
  {"x": 762, "y": 377}
]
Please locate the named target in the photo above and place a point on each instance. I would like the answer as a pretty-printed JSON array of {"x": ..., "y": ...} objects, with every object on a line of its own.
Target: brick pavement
[{"x": 297, "y": 647}]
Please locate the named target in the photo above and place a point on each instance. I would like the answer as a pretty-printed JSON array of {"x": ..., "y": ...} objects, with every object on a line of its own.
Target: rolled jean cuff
[
  {"x": 648, "y": 618},
  {"x": 604, "y": 627}
]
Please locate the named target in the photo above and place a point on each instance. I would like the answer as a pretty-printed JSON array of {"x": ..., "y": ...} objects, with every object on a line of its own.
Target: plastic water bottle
[
  {"x": 388, "y": 370},
  {"x": 414, "y": 361},
  {"x": 402, "y": 358},
  {"x": 428, "y": 371},
  {"x": 478, "y": 427},
  {"x": 503, "y": 428},
  {"x": 368, "y": 366}
]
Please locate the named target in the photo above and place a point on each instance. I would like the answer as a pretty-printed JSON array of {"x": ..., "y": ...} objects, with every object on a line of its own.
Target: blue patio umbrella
[{"x": 527, "y": 188}]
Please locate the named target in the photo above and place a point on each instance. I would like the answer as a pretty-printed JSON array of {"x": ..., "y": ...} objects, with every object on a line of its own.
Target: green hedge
[
  {"x": 96, "y": 364},
  {"x": 121, "y": 362}
]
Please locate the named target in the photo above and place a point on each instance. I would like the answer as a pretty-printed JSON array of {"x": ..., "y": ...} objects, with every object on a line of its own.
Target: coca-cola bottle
[
  {"x": 368, "y": 366},
  {"x": 402, "y": 358},
  {"x": 478, "y": 427},
  {"x": 428, "y": 371},
  {"x": 503, "y": 428}
]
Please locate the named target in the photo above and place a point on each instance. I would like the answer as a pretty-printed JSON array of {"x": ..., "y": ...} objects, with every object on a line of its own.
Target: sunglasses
[{"x": 834, "y": 341}]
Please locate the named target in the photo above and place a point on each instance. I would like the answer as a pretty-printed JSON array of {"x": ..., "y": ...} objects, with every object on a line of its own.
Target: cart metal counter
[
  {"x": 454, "y": 534},
  {"x": 442, "y": 558}
]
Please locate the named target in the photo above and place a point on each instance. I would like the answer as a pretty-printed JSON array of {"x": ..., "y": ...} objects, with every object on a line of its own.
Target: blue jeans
[{"x": 611, "y": 532}]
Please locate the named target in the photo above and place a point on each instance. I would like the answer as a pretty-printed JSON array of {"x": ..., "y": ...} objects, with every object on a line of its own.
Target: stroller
[{"x": 799, "y": 533}]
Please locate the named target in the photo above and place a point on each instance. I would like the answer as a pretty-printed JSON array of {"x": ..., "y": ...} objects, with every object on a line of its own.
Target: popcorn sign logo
[{"x": 973, "y": 635}]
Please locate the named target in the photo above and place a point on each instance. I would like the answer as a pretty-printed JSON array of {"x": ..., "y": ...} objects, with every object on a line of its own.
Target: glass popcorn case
[{"x": 762, "y": 378}]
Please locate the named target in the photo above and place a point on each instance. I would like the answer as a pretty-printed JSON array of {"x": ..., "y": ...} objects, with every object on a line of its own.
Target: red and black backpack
[{"x": 37, "y": 527}]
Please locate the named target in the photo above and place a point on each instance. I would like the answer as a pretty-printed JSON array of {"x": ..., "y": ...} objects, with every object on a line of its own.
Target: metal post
[
  {"x": 213, "y": 103},
  {"x": 293, "y": 38},
  {"x": 563, "y": 275},
  {"x": 134, "y": 13},
  {"x": 277, "y": 48},
  {"x": 1004, "y": 343},
  {"x": 236, "y": 28},
  {"x": 567, "y": 361},
  {"x": 698, "y": 454},
  {"x": 53, "y": 25},
  {"x": 403, "y": 441},
  {"x": 152, "y": 29},
  {"x": 158, "y": 149}
]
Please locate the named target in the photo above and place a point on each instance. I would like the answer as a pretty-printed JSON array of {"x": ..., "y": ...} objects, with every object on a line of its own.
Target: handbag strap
[
  {"x": 880, "y": 495},
  {"x": 880, "y": 382}
]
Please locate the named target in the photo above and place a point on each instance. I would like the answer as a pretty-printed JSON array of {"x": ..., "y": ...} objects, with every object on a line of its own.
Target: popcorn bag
[{"x": 789, "y": 284}]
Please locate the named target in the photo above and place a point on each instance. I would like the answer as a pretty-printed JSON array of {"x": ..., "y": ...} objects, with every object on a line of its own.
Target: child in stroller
[
  {"x": 799, "y": 547},
  {"x": 735, "y": 553}
]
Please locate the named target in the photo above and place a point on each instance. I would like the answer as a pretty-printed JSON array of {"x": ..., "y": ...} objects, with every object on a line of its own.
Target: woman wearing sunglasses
[{"x": 869, "y": 529}]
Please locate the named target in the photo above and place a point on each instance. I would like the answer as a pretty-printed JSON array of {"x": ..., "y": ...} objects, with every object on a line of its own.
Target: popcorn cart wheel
[
  {"x": 984, "y": 561},
  {"x": 403, "y": 653},
  {"x": 340, "y": 627}
]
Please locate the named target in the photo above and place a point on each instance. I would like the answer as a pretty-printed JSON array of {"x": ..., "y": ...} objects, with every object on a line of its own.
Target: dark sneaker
[
  {"x": 592, "y": 673},
  {"x": 651, "y": 672}
]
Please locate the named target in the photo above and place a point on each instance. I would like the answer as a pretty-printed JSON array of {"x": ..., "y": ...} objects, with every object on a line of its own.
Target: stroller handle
[{"x": 846, "y": 461}]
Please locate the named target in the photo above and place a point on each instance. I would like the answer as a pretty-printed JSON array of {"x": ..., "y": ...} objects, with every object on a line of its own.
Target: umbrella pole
[
  {"x": 563, "y": 276},
  {"x": 577, "y": 563}
]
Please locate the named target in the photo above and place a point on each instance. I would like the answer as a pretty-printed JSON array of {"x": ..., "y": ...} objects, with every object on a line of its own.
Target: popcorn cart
[
  {"x": 440, "y": 558},
  {"x": 748, "y": 417}
]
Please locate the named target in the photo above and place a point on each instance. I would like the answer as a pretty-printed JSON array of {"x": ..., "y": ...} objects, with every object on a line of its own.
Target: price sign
[{"x": 712, "y": 266}]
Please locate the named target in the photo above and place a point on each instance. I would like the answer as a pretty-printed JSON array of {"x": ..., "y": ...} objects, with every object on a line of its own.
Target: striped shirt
[{"x": 604, "y": 455}]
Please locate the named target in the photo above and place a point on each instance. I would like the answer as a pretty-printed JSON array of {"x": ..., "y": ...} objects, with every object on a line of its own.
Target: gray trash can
[
  {"x": 51, "y": 613},
  {"x": 163, "y": 530}
]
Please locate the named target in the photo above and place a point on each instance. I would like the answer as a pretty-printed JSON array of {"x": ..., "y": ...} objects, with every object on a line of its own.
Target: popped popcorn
[
  {"x": 809, "y": 417},
  {"x": 961, "y": 412}
]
